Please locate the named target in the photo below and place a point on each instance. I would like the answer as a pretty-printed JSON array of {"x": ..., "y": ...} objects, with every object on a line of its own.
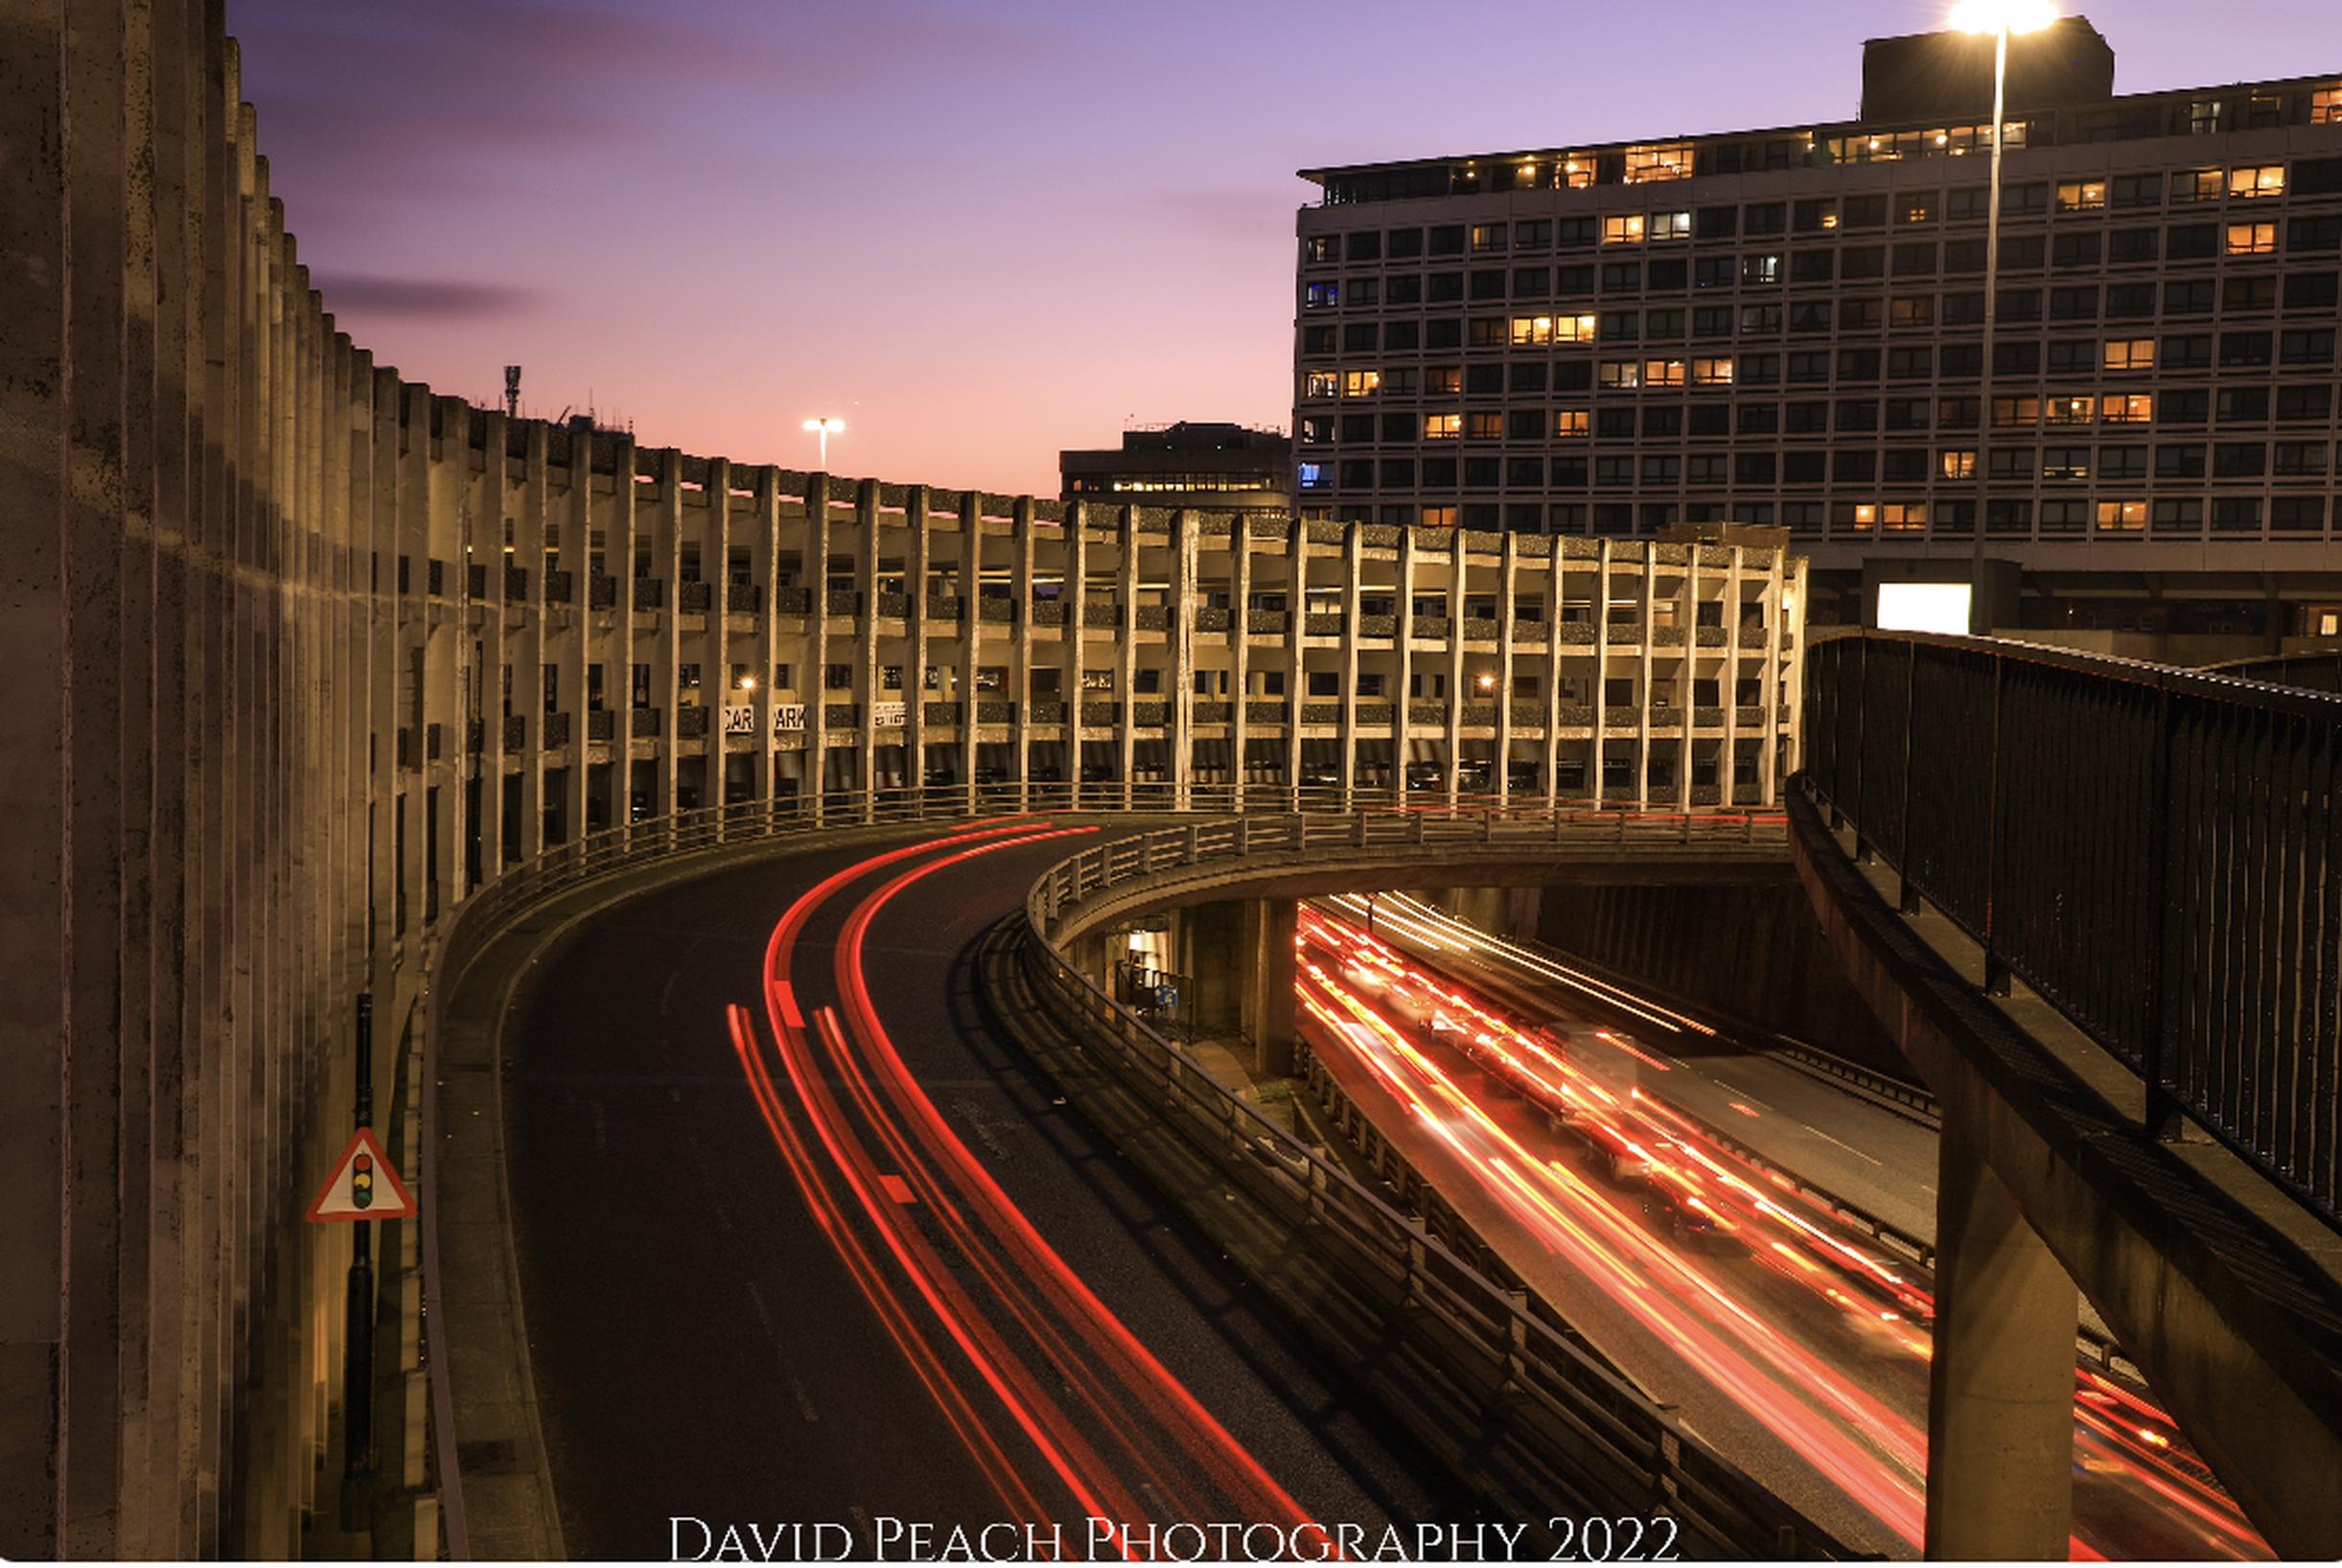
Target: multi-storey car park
[
  {"x": 1786, "y": 327},
  {"x": 653, "y": 640}
]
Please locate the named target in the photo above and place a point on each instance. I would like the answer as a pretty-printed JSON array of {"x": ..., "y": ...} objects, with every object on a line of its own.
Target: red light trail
[{"x": 1706, "y": 1252}]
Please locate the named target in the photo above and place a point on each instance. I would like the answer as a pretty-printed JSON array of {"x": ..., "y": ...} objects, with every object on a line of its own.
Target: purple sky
[{"x": 978, "y": 231}]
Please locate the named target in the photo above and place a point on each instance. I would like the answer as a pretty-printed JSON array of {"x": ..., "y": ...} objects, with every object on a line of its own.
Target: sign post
[{"x": 361, "y": 1189}]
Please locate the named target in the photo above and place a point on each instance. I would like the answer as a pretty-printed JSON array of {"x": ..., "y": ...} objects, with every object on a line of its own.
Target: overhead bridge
[{"x": 2099, "y": 904}]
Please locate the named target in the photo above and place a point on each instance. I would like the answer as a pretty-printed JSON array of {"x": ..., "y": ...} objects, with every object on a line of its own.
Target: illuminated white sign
[{"x": 1923, "y": 607}]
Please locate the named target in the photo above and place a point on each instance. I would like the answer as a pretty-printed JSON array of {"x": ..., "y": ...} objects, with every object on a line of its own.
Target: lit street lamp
[
  {"x": 2001, "y": 18},
  {"x": 824, "y": 428}
]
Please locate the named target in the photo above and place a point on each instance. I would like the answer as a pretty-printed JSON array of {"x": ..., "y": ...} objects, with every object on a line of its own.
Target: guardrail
[
  {"x": 1552, "y": 1428},
  {"x": 2304, "y": 672},
  {"x": 2157, "y": 852}
]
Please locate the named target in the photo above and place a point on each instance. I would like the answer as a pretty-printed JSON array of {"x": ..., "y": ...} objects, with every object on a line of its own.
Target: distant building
[
  {"x": 1204, "y": 463},
  {"x": 1784, "y": 327}
]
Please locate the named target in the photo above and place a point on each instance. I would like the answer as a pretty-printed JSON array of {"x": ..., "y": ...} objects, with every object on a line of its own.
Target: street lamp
[
  {"x": 2001, "y": 18},
  {"x": 824, "y": 428}
]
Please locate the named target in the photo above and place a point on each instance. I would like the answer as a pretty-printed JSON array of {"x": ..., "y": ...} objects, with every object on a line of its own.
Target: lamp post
[
  {"x": 824, "y": 428},
  {"x": 1999, "y": 18}
]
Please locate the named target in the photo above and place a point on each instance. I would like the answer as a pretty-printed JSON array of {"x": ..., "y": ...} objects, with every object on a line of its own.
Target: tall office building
[
  {"x": 1786, "y": 327},
  {"x": 1206, "y": 463}
]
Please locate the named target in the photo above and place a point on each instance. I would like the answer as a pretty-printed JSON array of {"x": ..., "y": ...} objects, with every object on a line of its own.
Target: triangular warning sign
[{"x": 364, "y": 1186}]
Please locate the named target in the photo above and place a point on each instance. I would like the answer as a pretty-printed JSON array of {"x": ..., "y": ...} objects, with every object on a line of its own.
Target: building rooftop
[{"x": 1920, "y": 95}]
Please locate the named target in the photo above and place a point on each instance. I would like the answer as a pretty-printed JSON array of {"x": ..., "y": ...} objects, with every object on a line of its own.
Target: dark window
[
  {"x": 2076, "y": 249},
  {"x": 2188, "y": 296},
  {"x": 1805, "y": 467},
  {"x": 2239, "y": 459},
  {"x": 1405, "y": 243},
  {"x": 2126, "y": 245},
  {"x": 1812, "y": 266},
  {"x": 2246, "y": 348},
  {"x": 1448, "y": 240},
  {"x": 1621, "y": 277},
  {"x": 2186, "y": 351},
  {"x": 2242, "y": 405},
  {"x": 2313, "y": 401},
  {"x": 1488, "y": 284},
  {"x": 2312, "y": 290},
  {"x": 2191, "y": 242},
  {"x": 1865, "y": 212},
  {"x": 1405, "y": 289},
  {"x": 1532, "y": 282}
]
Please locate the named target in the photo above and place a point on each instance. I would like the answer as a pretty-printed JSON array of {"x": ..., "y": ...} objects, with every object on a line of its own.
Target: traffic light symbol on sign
[{"x": 364, "y": 1185}]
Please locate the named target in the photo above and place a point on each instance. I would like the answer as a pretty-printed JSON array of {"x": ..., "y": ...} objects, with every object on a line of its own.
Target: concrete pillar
[
  {"x": 2000, "y": 1472},
  {"x": 1208, "y": 945},
  {"x": 1269, "y": 928}
]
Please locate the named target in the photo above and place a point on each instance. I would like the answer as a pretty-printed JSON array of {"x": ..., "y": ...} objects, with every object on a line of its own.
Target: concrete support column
[
  {"x": 970, "y": 589},
  {"x": 1459, "y": 686},
  {"x": 1126, "y": 655},
  {"x": 1185, "y": 595},
  {"x": 1269, "y": 928},
  {"x": 1354, "y": 575},
  {"x": 1207, "y": 951},
  {"x": 1403, "y": 688},
  {"x": 1020, "y": 649},
  {"x": 1999, "y": 1421}
]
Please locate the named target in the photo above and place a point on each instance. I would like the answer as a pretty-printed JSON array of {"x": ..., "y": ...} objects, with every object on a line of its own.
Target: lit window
[
  {"x": 1866, "y": 516},
  {"x": 1321, "y": 296},
  {"x": 2252, "y": 239},
  {"x": 2079, "y": 195},
  {"x": 2069, "y": 410},
  {"x": 2257, "y": 180},
  {"x": 2326, "y": 107},
  {"x": 1661, "y": 160},
  {"x": 2121, "y": 517},
  {"x": 1903, "y": 516},
  {"x": 1572, "y": 422},
  {"x": 2126, "y": 407},
  {"x": 1439, "y": 517},
  {"x": 2016, "y": 411},
  {"x": 1360, "y": 383},
  {"x": 1312, "y": 476},
  {"x": 2195, "y": 185},
  {"x": 1442, "y": 427},
  {"x": 1532, "y": 330},
  {"x": 1915, "y": 210},
  {"x": 1662, "y": 372},
  {"x": 1484, "y": 424},
  {"x": 1444, "y": 381},
  {"x": 1623, "y": 373},
  {"x": 1487, "y": 237},
  {"x": 1711, "y": 373},
  {"x": 1320, "y": 383},
  {"x": 2204, "y": 116},
  {"x": 1623, "y": 229},
  {"x": 1575, "y": 173},
  {"x": 1957, "y": 464},
  {"x": 2130, "y": 354},
  {"x": 1574, "y": 328},
  {"x": 1671, "y": 225}
]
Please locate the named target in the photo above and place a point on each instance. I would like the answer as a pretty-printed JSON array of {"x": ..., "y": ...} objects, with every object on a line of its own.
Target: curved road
[{"x": 808, "y": 1245}]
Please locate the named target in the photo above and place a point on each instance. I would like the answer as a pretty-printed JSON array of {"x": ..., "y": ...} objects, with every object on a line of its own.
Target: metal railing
[
  {"x": 1548, "y": 1422},
  {"x": 2157, "y": 852}
]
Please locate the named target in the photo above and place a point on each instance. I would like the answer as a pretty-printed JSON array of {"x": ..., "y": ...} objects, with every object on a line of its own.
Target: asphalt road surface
[{"x": 800, "y": 1241}]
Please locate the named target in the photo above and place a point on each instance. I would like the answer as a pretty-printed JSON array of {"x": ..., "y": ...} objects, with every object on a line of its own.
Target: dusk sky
[{"x": 977, "y": 231}]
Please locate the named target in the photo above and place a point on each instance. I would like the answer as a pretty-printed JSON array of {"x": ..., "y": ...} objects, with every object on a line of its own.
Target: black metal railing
[{"x": 2157, "y": 852}]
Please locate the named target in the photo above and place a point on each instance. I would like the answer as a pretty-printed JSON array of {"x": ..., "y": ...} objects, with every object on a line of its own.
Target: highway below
[
  {"x": 1576, "y": 1127},
  {"x": 800, "y": 1242}
]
